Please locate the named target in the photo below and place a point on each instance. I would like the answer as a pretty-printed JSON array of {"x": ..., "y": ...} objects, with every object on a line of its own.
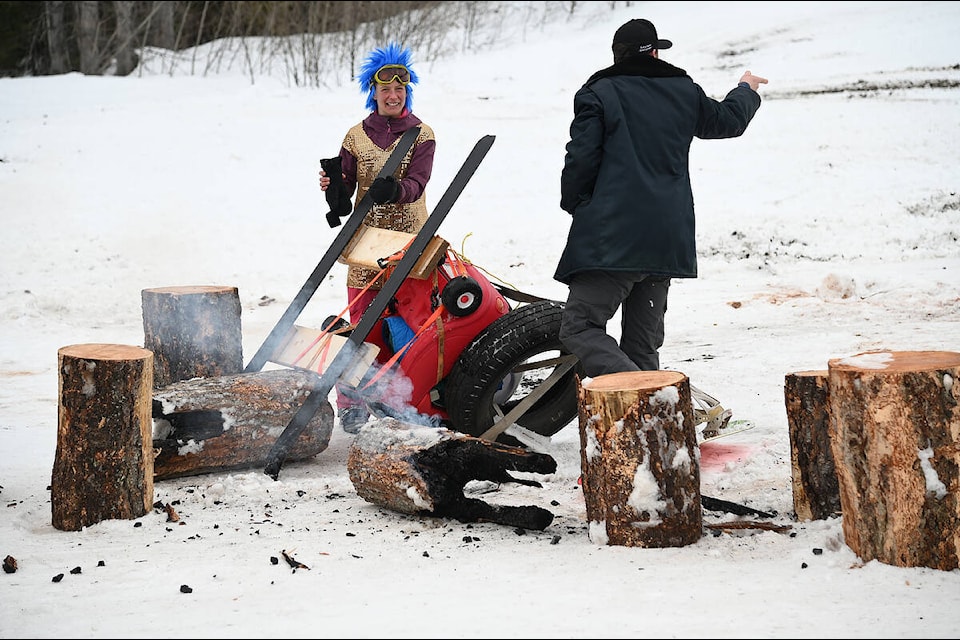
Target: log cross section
[
  {"x": 640, "y": 459},
  {"x": 193, "y": 331},
  {"x": 103, "y": 468},
  {"x": 895, "y": 436}
]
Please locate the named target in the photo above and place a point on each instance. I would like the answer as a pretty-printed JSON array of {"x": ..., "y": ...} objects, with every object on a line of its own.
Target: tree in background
[
  {"x": 303, "y": 40},
  {"x": 100, "y": 38}
]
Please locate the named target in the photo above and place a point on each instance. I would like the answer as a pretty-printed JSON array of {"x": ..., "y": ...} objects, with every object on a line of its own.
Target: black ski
[
  {"x": 345, "y": 357},
  {"x": 323, "y": 267}
]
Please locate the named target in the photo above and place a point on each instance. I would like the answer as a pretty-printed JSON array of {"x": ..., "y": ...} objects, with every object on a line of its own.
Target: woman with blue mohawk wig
[{"x": 386, "y": 78}]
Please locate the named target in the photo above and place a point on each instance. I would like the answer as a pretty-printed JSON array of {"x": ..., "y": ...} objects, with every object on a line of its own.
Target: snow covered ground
[{"x": 832, "y": 227}]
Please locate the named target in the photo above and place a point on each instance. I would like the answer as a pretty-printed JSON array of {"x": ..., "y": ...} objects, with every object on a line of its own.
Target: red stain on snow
[{"x": 714, "y": 456}]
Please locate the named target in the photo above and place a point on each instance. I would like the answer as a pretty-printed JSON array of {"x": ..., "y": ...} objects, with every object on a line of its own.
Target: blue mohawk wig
[{"x": 393, "y": 53}]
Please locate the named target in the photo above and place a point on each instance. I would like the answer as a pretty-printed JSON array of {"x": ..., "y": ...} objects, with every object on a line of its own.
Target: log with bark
[
  {"x": 422, "y": 471},
  {"x": 816, "y": 495},
  {"x": 231, "y": 422},
  {"x": 895, "y": 436},
  {"x": 103, "y": 468},
  {"x": 640, "y": 459},
  {"x": 193, "y": 331}
]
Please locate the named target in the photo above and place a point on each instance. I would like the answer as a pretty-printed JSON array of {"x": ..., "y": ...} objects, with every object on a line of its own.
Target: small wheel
[
  {"x": 515, "y": 357},
  {"x": 341, "y": 326},
  {"x": 462, "y": 296}
]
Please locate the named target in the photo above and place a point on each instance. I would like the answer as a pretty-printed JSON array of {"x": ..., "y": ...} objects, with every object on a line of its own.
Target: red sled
[{"x": 451, "y": 350}]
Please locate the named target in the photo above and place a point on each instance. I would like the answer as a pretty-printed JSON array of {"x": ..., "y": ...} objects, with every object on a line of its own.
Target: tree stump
[
  {"x": 193, "y": 331},
  {"x": 103, "y": 468},
  {"x": 640, "y": 460},
  {"x": 421, "y": 470},
  {"x": 816, "y": 495},
  {"x": 231, "y": 422},
  {"x": 895, "y": 436}
]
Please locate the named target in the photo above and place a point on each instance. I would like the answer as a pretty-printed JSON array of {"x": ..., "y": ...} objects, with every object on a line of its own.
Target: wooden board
[
  {"x": 371, "y": 244},
  {"x": 314, "y": 350}
]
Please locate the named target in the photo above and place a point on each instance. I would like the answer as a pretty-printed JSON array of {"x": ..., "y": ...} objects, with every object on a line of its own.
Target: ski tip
[{"x": 733, "y": 427}]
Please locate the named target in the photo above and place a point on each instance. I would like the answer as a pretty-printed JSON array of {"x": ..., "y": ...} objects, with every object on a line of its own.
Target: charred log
[
  {"x": 231, "y": 422},
  {"x": 422, "y": 471}
]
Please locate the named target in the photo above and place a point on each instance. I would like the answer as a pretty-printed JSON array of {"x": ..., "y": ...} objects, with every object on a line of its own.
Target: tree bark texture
[
  {"x": 56, "y": 36},
  {"x": 103, "y": 468},
  {"x": 226, "y": 423},
  {"x": 88, "y": 21},
  {"x": 895, "y": 436},
  {"x": 162, "y": 22},
  {"x": 816, "y": 495},
  {"x": 640, "y": 459},
  {"x": 124, "y": 34},
  {"x": 193, "y": 331},
  {"x": 421, "y": 470}
]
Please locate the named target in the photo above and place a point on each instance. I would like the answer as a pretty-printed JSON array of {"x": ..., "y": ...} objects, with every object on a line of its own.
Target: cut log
[
  {"x": 231, "y": 422},
  {"x": 640, "y": 460},
  {"x": 193, "y": 331},
  {"x": 816, "y": 495},
  {"x": 422, "y": 471},
  {"x": 103, "y": 468},
  {"x": 895, "y": 436}
]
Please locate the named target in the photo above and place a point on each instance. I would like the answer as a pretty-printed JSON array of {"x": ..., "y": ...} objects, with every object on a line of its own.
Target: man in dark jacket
[{"x": 626, "y": 183}]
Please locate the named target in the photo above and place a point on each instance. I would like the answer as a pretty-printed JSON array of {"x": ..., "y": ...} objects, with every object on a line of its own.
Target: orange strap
[
  {"x": 456, "y": 262},
  {"x": 326, "y": 331},
  {"x": 322, "y": 352},
  {"x": 435, "y": 316},
  {"x": 440, "y": 342},
  {"x": 459, "y": 267},
  {"x": 396, "y": 257}
]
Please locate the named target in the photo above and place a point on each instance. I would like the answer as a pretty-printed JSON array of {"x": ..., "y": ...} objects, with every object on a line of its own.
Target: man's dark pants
[{"x": 594, "y": 298}]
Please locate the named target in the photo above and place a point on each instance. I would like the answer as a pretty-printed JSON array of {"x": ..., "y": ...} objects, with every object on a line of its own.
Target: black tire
[
  {"x": 495, "y": 371},
  {"x": 462, "y": 296}
]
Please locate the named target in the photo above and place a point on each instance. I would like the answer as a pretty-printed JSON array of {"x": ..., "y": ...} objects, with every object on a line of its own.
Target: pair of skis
[
  {"x": 329, "y": 258},
  {"x": 346, "y": 357}
]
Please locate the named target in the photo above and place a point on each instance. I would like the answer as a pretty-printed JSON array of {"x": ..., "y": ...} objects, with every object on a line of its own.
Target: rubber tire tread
[{"x": 509, "y": 340}]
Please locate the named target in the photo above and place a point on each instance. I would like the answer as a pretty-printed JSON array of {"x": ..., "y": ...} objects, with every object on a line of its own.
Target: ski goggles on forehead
[{"x": 390, "y": 72}]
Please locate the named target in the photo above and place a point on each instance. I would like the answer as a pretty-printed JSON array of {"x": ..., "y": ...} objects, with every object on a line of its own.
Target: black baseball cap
[{"x": 641, "y": 33}]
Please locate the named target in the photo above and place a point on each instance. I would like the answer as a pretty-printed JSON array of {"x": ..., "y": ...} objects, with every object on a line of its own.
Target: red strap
[
  {"x": 326, "y": 331},
  {"x": 399, "y": 354}
]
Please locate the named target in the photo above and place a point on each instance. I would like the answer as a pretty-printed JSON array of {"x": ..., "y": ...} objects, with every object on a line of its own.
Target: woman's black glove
[
  {"x": 384, "y": 190},
  {"x": 336, "y": 193}
]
